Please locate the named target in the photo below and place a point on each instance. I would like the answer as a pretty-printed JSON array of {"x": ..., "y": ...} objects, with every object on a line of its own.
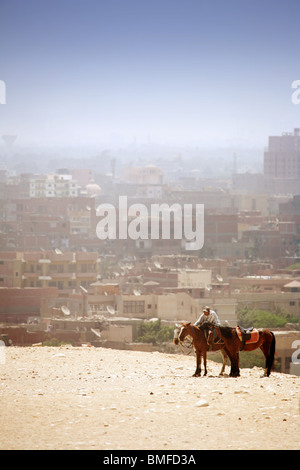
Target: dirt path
[{"x": 96, "y": 398}]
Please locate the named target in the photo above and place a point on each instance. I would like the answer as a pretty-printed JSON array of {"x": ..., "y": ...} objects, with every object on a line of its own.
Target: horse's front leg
[
  {"x": 198, "y": 364},
  {"x": 225, "y": 357}
]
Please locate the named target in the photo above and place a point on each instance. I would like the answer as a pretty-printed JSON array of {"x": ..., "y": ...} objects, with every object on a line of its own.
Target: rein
[{"x": 187, "y": 343}]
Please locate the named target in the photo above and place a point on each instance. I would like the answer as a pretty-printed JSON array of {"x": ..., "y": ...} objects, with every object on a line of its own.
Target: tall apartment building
[
  {"x": 48, "y": 222},
  {"x": 53, "y": 186},
  {"x": 66, "y": 271},
  {"x": 282, "y": 163}
]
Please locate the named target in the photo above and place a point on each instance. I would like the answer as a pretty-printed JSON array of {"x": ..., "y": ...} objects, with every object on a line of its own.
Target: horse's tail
[{"x": 271, "y": 355}]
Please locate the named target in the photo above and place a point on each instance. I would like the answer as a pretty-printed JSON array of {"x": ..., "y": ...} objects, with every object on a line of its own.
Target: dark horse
[
  {"x": 199, "y": 343},
  {"x": 266, "y": 342}
]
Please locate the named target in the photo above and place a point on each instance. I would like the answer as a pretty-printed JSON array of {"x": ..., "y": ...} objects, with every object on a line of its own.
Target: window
[{"x": 135, "y": 306}]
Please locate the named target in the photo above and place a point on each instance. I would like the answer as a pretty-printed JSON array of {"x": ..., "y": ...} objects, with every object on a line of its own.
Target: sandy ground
[{"x": 96, "y": 398}]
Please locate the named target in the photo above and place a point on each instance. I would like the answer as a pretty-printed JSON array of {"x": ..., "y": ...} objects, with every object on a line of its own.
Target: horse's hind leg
[
  {"x": 262, "y": 347},
  {"x": 268, "y": 348},
  {"x": 235, "y": 369},
  {"x": 225, "y": 357}
]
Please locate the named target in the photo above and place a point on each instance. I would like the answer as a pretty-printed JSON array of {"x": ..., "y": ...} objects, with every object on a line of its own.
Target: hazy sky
[{"x": 176, "y": 71}]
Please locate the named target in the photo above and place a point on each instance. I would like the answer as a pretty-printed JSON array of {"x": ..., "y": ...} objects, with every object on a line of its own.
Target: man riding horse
[{"x": 210, "y": 316}]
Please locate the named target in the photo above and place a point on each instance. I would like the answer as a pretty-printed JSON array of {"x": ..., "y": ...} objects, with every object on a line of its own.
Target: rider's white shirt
[{"x": 212, "y": 317}]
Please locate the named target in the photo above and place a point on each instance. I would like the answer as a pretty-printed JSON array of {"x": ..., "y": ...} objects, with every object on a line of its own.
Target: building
[
  {"x": 147, "y": 175},
  {"x": 61, "y": 185},
  {"x": 48, "y": 222},
  {"x": 282, "y": 163},
  {"x": 18, "y": 305},
  {"x": 287, "y": 351},
  {"x": 66, "y": 271}
]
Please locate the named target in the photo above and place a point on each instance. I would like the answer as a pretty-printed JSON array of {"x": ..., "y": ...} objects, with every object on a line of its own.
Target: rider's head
[{"x": 206, "y": 310}]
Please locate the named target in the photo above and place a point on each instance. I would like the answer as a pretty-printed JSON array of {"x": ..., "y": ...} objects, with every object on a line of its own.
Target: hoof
[{"x": 235, "y": 374}]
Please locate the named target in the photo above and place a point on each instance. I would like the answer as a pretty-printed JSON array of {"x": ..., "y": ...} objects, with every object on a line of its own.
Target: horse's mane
[
  {"x": 226, "y": 331},
  {"x": 205, "y": 326}
]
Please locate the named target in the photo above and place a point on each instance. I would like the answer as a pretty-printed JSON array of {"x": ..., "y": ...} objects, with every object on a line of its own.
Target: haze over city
[{"x": 116, "y": 73}]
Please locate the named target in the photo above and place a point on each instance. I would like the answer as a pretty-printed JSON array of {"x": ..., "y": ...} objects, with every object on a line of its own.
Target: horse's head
[
  {"x": 181, "y": 331},
  {"x": 176, "y": 333}
]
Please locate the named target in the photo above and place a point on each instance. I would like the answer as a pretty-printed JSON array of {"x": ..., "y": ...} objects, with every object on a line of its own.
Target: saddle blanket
[{"x": 254, "y": 335}]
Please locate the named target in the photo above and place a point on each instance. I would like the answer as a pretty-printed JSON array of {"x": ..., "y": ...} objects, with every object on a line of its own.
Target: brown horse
[
  {"x": 266, "y": 342},
  {"x": 200, "y": 344}
]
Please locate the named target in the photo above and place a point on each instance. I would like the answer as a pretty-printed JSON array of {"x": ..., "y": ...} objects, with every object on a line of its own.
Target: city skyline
[{"x": 173, "y": 72}]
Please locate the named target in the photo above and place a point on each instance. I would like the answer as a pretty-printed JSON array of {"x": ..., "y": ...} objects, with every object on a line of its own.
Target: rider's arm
[{"x": 199, "y": 321}]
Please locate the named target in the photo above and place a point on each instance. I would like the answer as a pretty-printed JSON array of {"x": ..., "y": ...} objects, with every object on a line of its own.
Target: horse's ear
[{"x": 188, "y": 323}]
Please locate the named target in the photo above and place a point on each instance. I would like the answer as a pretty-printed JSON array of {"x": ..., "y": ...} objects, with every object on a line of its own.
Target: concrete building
[
  {"x": 194, "y": 278},
  {"x": 18, "y": 305},
  {"x": 282, "y": 163},
  {"x": 288, "y": 351},
  {"x": 65, "y": 270},
  {"x": 286, "y": 301},
  {"x": 48, "y": 222},
  {"x": 149, "y": 175},
  {"x": 61, "y": 185}
]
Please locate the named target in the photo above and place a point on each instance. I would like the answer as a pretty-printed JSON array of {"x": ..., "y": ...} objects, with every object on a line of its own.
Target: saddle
[{"x": 247, "y": 335}]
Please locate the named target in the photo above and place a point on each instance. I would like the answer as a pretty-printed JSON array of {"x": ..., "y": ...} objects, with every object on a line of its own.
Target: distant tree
[
  {"x": 294, "y": 266},
  {"x": 263, "y": 318},
  {"x": 154, "y": 332}
]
